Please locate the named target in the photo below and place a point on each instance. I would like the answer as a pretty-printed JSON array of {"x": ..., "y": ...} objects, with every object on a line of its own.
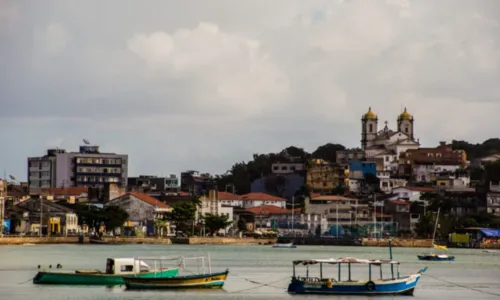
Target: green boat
[{"x": 116, "y": 269}]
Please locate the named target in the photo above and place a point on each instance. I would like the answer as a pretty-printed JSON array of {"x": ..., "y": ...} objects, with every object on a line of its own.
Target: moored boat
[
  {"x": 395, "y": 285},
  {"x": 284, "y": 245},
  {"x": 203, "y": 279},
  {"x": 432, "y": 256},
  {"x": 116, "y": 268}
]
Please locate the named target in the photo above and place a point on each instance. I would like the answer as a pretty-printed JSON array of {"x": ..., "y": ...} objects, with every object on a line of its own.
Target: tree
[
  {"x": 182, "y": 214},
  {"x": 216, "y": 222},
  {"x": 328, "y": 152},
  {"x": 338, "y": 190},
  {"x": 114, "y": 217},
  {"x": 425, "y": 226},
  {"x": 275, "y": 184},
  {"x": 242, "y": 225},
  {"x": 160, "y": 225}
]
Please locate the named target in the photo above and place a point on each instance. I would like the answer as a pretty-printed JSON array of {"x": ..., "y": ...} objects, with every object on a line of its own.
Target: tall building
[
  {"x": 386, "y": 142},
  {"x": 86, "y": 168},
  {"x": 195, "y": 183}
]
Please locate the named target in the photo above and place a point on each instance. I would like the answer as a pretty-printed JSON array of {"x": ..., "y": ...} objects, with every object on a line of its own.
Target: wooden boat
[
  {"x": 432, "y": 256},
  {"x": 284, "y": 245},
  {"x": 203, "y": 279},
  {"x": 116, "y": 268},
  {"x": 395, "y": 285}
]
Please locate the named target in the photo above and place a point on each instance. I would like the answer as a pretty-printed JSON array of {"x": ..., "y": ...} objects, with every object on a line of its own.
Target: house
[
  {"x": 359, "y": 169},
  {"x": 411, "y": 193},
  {"x": 343, "y": 157},
  {"x": 333, "y": 208},
  {"x": 55, "y": 218},
  {"x": 465, "y": 201},
  {"x": 143, "y": 209},
  {"x": 270, "y": 216},
  {"x": 400, "y": 211},
  {"x": 229, "y": 199},
  {"x": 387, "y": 184},
  {"x": 212, "y": 204},
  {"x": 323, "y": 176},
  {"x": 260, "y": 199},
  {"x": 70, "y": 195},
  {"x": 287, "y": 168},
  {"x": 493, "y": 199}
]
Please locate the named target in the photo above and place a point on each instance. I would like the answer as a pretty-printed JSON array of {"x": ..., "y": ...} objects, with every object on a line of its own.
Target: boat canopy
[{"x": 345, "y": 260}]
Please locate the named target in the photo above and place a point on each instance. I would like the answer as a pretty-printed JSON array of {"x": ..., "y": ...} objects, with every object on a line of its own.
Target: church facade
[{"x": 386, "y": 144}]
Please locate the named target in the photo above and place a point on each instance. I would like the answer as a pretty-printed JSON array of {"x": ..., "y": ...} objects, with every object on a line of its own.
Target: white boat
[{"x": 284, "y": 245}]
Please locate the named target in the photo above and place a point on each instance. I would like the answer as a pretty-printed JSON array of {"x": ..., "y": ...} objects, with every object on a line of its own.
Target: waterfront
[{"x": 474, "y": 275}]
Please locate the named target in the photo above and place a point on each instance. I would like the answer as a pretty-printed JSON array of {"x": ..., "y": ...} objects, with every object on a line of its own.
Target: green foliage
[
  {"x": 182, "y": 213},
  {"x": 338, "y": 190},
  {"x": 328, "y": 152},
  {"x": 111, "y": 216},
  {"x": 492, "y": 171},
  {"x": 242, "y": 226},
  {"x": 300, "y": 198},
  {"x": 317, "y": 231},
  {"x": 216, "y": 222},
  {"x": 474, "y": 151}
]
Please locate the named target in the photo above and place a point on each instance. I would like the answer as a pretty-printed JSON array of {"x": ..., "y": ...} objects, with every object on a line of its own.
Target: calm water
[{"x": 473, "y": 275}]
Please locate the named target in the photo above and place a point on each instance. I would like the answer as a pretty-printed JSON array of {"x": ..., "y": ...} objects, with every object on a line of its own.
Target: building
[
  {"x": 345, "y": 156},
  {"x": 387, "y": 184},
  {"x": 260, "y": 199},
  {"x": 411, "y": 193},
  {"x": 287, "y": 168},
  {"x": 197, "y": 183},
  {"x": 334, "y": 208},
  {"x": 323, "y": 176},
  {"x": 493, "y": 199},
  {"x": 213, "y": 204},
  {"x": 465, "y": 201},
  {"x": 286, "y": 184},
  {"x": 375, "y": 142},
  {"x": 359, "y": 169},
  {"x": 86, "y": 168},
  {"x": 272, "y": 217},
  {"x": 400, "y": 211},
  {"x": 230, "y": 199},
  {"x": 423, "y": 164},
  {"x": 148, "y": 183},
  {"x": 142, "y": 209}
]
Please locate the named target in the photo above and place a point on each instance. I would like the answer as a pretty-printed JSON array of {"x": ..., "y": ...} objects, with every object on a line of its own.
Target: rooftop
[
  {"x": 261, "y": 197},
  {"x": 148, "y": 199},
  {"x": 270, "y": 210}
]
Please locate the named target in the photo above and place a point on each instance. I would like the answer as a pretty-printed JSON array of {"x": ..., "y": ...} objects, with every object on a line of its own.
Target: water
[{"x": 473, "y": 275}]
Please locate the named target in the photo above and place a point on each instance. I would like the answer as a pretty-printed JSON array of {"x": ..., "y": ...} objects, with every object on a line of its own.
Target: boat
[
  {"x": 203, "y": 278},
  {"x": 284, "y": 245},
  {"x": 329, "y": 285},
  {"x": 432, "y": 256},
  {"x": 116, "y": 268}
]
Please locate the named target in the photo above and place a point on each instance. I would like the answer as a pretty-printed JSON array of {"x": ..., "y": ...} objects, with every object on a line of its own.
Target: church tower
[
  {"x": 369, "y": 128},
  {"x": 405, "y": 124}
]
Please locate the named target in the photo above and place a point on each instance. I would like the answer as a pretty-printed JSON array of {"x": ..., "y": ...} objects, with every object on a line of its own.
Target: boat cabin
[
  {"x": 126, "y": 266},
  {"x": 344, "y": 261}
]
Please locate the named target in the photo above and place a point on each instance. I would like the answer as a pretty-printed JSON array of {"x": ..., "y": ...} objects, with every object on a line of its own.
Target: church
[{"x": 387, "y": 144}]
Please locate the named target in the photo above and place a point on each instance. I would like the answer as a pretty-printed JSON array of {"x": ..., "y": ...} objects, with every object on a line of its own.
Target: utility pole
[
  {"x": 293, "y": 211},
  {"x": 41, "y": 217},
  {"x": 337, "y": 218}
]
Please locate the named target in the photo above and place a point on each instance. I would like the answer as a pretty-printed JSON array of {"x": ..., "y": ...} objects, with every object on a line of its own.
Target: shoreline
[{"x": 396, "y": 242}]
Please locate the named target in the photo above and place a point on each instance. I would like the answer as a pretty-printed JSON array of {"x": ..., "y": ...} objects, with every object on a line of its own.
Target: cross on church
[{"x": 386, "y": 123}]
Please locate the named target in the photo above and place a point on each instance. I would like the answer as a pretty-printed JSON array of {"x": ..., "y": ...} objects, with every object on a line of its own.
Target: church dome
[
  {"x": 405, "y": 115},
  {"x": 370, "y": 115}
]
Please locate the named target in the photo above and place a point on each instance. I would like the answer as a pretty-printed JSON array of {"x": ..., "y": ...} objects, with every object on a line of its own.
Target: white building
[
  {"x": 260, "y": 199},
  {"x": 386, "y": 142},
  {"x": 411, "y": 193},
  {"x": 86, "y": 168},
  {"x": 287, "y": 168},
  {"x": 426, "y": 173},
  {"x": 212, "y": 204}
]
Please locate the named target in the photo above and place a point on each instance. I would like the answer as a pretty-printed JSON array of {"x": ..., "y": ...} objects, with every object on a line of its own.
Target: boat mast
[{"x": 435, "y": 226}]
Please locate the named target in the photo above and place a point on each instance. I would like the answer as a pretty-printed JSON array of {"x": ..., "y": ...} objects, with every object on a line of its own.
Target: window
[
  {"x": 370, "y": 128},
  {"x": 126, "y": 268},
  {"x": 406, "y": 129},
  {"x": 284, "y": 168},
  {"x": 275, "y": 168}
]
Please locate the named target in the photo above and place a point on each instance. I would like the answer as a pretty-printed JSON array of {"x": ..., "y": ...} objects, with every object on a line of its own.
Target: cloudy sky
[{"x": 202, "y": 84}]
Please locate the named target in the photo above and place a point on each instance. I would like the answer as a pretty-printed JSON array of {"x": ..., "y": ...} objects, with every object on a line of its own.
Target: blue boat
[
  {"x": 328, "y": 285},
  {"x": 436, "y": 257},
  {"x": 287, "y": 245}
]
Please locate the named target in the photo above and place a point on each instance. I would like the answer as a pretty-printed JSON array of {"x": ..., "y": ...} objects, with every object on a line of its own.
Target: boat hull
[
  {"x": 68, "y": 278},
  {"x": 402, "y": 286},
  {"x": 435, "y": 258},
  {"x": 291, "y": 246},
  {"x": 213, "y": 281}
]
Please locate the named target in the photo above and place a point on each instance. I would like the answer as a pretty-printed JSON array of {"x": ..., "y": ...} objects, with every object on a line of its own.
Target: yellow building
[{"x": 322, "y": 176}]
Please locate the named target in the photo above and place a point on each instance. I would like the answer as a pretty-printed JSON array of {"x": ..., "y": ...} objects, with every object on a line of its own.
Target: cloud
[{"x": 178, "y": 87}]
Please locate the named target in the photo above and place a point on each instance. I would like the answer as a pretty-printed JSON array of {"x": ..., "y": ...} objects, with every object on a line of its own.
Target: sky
[{"x": 201, "y": 85}]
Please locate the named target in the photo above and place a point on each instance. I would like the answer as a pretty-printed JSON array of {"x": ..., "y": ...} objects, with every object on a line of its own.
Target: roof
[
  {"x": 228, "y": 196},
  {"x": 270, "y": 210},
  {"x": 331, "y": 198},
  {"x": 148, "y": 199},
  {"x": 417, "y": 188},
  {"x": 400, "y": 202},
  {"x": 344, "y": 260},
  {"x": 69, "y": 191},
  {"x": 490, "y": 232},
  {"x": 261, "y": 197}
]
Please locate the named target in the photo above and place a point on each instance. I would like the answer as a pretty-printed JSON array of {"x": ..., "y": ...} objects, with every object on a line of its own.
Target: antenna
[{"x": 86, "y": 142}]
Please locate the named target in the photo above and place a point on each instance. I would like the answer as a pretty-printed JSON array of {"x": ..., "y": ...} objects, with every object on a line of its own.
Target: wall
[
  {"x": 416, "y": 243},
  {"x": 226, "y": 241}
]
